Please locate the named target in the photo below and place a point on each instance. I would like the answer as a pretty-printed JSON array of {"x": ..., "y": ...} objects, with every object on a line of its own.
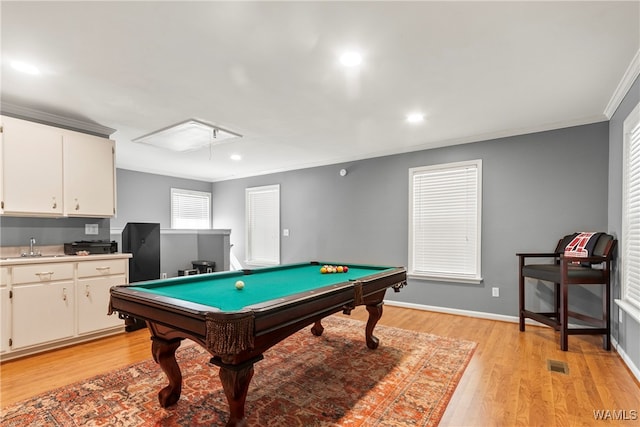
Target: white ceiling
[{"x": 270, "y": 72}]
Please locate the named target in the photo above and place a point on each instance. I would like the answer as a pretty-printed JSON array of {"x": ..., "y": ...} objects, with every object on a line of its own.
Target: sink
[{"x": 33, "y": 256}]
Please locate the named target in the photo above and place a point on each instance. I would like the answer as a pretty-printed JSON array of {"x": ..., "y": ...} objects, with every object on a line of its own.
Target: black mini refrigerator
[{"x": 142, "y": 239}]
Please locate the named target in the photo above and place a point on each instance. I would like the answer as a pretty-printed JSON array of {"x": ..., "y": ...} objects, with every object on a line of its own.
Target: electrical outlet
[
  {"x": 163, "y": 275},
  {"x": 285, "y": 232},
  {"x": 495, "y": 292},
  {"x": 91, "y": 229}
]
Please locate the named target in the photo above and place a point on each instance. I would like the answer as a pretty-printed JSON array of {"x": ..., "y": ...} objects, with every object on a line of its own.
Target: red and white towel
[{"x": 582, "y": 245}]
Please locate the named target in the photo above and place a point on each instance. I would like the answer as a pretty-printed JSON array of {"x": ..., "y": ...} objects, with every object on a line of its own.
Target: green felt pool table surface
[{"x": 263, "y": 284}]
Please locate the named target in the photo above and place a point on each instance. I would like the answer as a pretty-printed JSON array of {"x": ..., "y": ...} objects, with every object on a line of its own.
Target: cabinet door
[
  {"x": 5, "y": 318},
  {"x": 89, "y": 175},
  {"x": 2, "y": 165},
  {"x": 42, "y": 312},
  {"x": 5, "y": 310},
  {"x": 93, "y": 303},
  {"x": 31, "y": 168}
]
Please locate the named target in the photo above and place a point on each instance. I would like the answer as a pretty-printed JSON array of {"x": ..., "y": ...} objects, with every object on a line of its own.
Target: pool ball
[{"x": 239, "y": 284}]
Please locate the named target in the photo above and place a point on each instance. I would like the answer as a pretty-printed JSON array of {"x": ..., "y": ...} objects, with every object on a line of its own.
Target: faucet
[{"x": 32, "y": 250}]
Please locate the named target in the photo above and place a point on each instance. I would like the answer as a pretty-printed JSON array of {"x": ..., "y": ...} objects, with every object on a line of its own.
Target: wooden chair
[{"x": 565, "y": 271}]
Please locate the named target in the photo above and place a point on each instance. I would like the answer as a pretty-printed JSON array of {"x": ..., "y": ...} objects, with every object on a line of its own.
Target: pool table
[{"x": 238, "y": 325}]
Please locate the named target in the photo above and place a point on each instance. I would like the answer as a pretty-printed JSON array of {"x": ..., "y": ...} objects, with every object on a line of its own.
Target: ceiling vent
[{"x": 189, "y": 135}]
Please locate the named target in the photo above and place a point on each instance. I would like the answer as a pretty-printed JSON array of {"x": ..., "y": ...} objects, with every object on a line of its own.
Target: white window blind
[
  {"x": 631, "y": 210},
  {"x": 445, "y": 220},
  {"x": 263, "y": 225},
  {"x": 190, "y": 209}
]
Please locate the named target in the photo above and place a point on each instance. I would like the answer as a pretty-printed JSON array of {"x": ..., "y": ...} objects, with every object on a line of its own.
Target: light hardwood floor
[{"x": 507, "y": 382}]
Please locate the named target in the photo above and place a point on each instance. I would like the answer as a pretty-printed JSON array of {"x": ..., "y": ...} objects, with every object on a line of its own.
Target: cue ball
[{"x": 239, "y": 284}]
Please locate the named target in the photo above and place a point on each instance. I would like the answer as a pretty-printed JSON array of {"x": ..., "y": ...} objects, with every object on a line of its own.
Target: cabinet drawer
[
  {"x": 105, "y": 267},
  {"x": 42, "y": 272}
]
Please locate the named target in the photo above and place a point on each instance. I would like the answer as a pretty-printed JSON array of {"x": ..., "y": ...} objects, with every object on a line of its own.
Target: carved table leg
[
  {"x": 235, "y": 383},
  {"x": 375, "y": 313},
  {"x": 317, "y": 329},
  {"x": 164, "y": 354}
]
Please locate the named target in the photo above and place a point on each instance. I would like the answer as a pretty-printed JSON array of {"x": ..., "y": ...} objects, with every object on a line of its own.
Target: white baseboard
[
  {"x": 456, "y": 311},
  {"x": 504, "y": 318},
  {"x": 626, "y": 359}
]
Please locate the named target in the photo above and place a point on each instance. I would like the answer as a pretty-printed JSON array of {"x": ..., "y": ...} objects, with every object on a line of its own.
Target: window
[
  {"x": 445, "y": 221},
  {"x": 631, "y": 214},
  {"x": 263, "y": 225},
  {"x": 190, "y": 209}
]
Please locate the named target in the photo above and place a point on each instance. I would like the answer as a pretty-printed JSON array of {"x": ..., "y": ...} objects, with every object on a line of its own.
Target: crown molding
[
  {"x": 629, "y": 77},
  {"x": 38, "y": 116}
]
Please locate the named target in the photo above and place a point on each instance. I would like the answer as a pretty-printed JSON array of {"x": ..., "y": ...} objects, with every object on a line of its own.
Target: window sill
[
  {"x": 631, "y": 310},
  {"x": 452, "y": 279}
]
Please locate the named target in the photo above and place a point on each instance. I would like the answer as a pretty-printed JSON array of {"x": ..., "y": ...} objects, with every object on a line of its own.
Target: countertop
[{"x": 45, "y": 258}]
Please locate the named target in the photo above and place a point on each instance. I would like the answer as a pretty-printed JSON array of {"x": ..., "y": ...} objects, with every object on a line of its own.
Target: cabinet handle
[
  {"x": 77, "y": 204},
  {"x": 103, "y": 269},
  {"x": 87, "y": 291},
  {"x": 54, "y": 204},
  {"x": 48, "y": 275},
  {"x": 64, "y": 294}
]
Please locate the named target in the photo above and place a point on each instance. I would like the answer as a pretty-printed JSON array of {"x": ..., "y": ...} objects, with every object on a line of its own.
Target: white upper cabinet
[
  {"x": 53, "y": 172},
  {"x": 31, "y": 168},
  {"x": 89, "y": 175}
]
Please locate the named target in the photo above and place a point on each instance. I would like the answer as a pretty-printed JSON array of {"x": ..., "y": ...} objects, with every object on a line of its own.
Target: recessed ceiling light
[
  {"x": 24, "y": 67},
  {"x": 236, "y": 157},
  {"x": 351, "y": 59},
  {"x": 415, "y": 117}
]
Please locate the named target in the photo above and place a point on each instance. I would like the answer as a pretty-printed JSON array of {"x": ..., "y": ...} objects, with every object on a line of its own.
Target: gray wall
[
  {"x": 146, "y": 197},
  {"x": 536, "y": 188},
  {"x": 627, "y": 333}
]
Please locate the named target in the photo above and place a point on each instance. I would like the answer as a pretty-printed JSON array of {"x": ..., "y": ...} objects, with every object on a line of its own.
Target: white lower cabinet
[
  {"x": 5, "y": 310},
  {"x": 47, "y": 305},
  {"x": 93, "y": 303},
  {"x": 42, "y": 312},
  {"x": 95, "y": 278},
  {"x": 42, "y": 304}
]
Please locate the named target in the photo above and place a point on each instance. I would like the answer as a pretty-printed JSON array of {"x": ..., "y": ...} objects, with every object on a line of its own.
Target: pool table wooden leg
[
  {"x": 235, "y": 382},
  {"x": 317, "y": 329},
  {"x": 375, "y": 313},
  {"x": 164, "y": 353}
]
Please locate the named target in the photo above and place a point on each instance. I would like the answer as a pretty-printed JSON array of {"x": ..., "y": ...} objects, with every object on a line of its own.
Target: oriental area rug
[{"x": 331, "y": 380}]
